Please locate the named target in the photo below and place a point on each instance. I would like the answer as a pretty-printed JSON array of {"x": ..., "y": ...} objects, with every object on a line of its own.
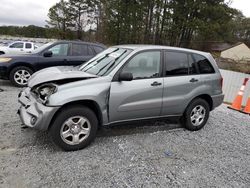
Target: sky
[{"x": 34, "y": 12}]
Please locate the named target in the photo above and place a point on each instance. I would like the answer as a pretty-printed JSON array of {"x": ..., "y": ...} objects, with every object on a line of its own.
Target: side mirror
[
  {"x": 48, "y": 54},
  {"x": 125, "y": 76}
]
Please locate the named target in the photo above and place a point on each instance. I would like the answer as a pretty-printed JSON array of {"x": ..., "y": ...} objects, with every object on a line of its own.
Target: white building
[{"x": 238, "y": 52}]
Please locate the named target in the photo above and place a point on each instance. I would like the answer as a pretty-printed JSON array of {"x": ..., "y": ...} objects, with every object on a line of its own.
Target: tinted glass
[
  {"x": 17, "y": 45},
  {"x": 28, "y": 45},
  {"x": 90, "y": 51},
  {"x": 176, "y": 63},
  {"x": 144, "y": 65},
  {"x": 192, "y": 65},
  {"x": 79, "y": 50},
  {"x": 98, "y": 49},
  {"x": 203, "y": 64},
  {"x": 60, "y": 49}
]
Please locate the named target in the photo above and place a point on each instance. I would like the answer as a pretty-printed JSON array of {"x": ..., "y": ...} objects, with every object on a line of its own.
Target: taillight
[{"x": 221, "y": 82}]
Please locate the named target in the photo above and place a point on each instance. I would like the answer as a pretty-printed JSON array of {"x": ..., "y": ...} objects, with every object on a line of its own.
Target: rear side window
[
  {"x": 203, "y": 64},
  {"x": 91, "y": 51},
  {"x": 28, "y": 45},
  {"x": 98, "y": 49},
  {"x": 79, "y": 50},
  {"x": 176, "y": 63}
]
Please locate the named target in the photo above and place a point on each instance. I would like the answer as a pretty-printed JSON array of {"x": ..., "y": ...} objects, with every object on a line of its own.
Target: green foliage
[
  {"x": 184, "y": 23},
  {"x": 29, "y": 31}
]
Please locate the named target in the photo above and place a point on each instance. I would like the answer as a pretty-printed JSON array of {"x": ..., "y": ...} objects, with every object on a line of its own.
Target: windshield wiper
[
  {"x": 112, "y": 63},
  {"x": 99, "y": 60},
  {"x": 103, "y": 67}
]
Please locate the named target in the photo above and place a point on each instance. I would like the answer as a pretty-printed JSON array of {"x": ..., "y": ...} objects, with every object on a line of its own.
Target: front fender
[{"x": 98, "y": 92}]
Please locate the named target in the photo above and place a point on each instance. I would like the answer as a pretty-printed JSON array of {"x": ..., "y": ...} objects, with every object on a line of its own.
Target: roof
[
  {"x": 80, "y": 42},
  {"x": 232, "y": 46},
  {"x": 145, "y": 47},
  {"x": 218, "y": 47}
]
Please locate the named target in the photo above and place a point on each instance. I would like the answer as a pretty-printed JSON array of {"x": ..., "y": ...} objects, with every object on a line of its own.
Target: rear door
[
  {"x": 141, "y": 97},
  {"x": 59, "y": 56},
  {"x": 181, "y": 81}
]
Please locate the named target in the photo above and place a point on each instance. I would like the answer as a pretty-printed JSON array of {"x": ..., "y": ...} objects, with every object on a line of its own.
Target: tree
[
  {"x": 80, "y": 12},
  {"x": 59, "y": 18}
]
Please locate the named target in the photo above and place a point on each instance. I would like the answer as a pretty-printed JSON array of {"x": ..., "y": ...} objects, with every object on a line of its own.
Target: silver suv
[{"x": 122, "y": 84}]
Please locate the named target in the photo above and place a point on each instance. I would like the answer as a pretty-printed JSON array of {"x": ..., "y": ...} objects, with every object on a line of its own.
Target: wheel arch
[
  {"x": 205, "y": 97},
  {"x": 88, "y": 103},
  {"x": 21, "y": 64}
]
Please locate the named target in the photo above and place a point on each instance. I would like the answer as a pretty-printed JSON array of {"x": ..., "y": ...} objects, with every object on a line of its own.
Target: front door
[
  {"x": 59, "y": 57},
  {"x": 141, "y": 97}
]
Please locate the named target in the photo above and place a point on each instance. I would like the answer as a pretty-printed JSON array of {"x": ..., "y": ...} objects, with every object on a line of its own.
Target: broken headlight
[{"x": 44, "y": 91}]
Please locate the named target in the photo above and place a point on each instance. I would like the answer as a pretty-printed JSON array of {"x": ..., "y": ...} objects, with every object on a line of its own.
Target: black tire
[
  {"x": 1, "y": 53},
  {"x": 63, "y": 116},
  {"x": 186, "y": 119},
  {"x": 15, "y": 70}
]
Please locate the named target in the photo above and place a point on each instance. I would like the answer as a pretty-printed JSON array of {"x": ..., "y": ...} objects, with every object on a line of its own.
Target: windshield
[
  {"x": 105, "y": 62},
  {"x": 41, "y": 48}
]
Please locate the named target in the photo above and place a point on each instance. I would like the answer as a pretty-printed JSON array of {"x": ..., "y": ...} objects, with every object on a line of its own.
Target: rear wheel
[
  {"x": 196, "y": 115},
  {"x": 74, "y": 128},
  {"x": 19, "y": 76},
  {"x": 1, "y": 53}
]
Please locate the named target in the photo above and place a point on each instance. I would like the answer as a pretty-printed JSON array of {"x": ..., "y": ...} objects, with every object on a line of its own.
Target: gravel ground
[{"x": 159, "y": 155}]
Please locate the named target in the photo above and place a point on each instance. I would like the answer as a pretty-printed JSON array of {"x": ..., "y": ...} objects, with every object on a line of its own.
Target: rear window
[{"x": 203, "y": 64}]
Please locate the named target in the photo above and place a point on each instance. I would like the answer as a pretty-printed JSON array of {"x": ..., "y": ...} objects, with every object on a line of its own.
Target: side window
[
  {"x": 98, "y": 49},
  {"x": 60, "y": 49},
  {"x": 176, "y": 63},
  {"x": 192, "y": 65},
  {"x": 28, "y": 45},
  {"x": 203, "y": 64},
  {"x": 144, "y": 65},
  {"x": 79, "y": 50},
  {"x": 17, "y": 45},
  {"x": 91, "y": 51}
]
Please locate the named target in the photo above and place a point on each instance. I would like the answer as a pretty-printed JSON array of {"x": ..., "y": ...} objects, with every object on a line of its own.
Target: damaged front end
[{"x": 34, "y": 111}]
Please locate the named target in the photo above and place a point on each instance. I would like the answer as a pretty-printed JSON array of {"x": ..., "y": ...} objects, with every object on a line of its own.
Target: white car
[{"x": 18, "y": 47}]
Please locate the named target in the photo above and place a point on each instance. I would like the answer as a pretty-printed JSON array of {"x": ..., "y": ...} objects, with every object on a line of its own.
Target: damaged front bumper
[{"x": 33, "y": 113}]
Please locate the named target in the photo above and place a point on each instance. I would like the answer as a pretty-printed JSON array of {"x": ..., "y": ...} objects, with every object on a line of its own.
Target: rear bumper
[{"x": 217, "y": 100}]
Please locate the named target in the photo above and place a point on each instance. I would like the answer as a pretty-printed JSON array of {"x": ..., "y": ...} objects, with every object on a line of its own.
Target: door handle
[
  {"x": 156, "y": 84},
  {"x": 193, "y": 80}
]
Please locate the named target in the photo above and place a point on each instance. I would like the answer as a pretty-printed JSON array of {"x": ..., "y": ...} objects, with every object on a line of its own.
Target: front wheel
[
  {"x": 19, "y": 76},
  {"x": 196, "y": 115},
  {"x": 74, "y": 128}
]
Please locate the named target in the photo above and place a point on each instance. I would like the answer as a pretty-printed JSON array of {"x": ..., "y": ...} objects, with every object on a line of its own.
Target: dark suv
[{"x": 18, "y": 69}]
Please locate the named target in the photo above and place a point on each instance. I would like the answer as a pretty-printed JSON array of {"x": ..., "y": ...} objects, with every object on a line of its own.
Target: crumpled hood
[{"x": 57, "y": 73}]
